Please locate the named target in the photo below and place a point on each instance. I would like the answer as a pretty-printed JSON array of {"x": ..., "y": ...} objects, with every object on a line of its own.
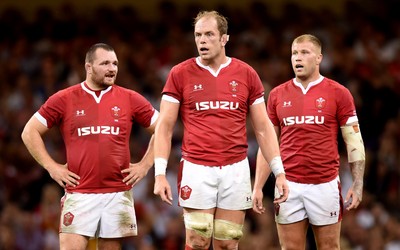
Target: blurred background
[{"x": 42, "y": 49}]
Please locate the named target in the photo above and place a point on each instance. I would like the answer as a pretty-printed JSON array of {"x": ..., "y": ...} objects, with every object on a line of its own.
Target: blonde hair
[
  {"x": 222, "y": 23},
  {"x": 309, "y": 38}
]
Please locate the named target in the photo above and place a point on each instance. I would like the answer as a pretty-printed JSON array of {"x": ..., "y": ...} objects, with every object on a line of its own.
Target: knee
[
  {"x": 199, "y": 228},
  {"x": 227, "y": 230}
]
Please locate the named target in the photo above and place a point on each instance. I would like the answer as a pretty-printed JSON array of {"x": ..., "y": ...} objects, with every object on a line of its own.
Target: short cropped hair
[
  {"x": 222, "y": 22},
  {"x": 92, "y": 50},
  {"x": 310, "y": 38}
]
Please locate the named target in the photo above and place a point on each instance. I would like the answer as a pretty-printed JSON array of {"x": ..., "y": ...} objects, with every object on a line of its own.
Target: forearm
[
  {"x": 148, "y": 157},
  {"x": 263, "y": 171},
  {"x": 357, "y": 171},
  {"x": 268, "y": 143}
]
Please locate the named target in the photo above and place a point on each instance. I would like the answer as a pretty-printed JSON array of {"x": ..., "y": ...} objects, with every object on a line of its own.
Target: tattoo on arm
[{"x": 357, "y": 172}]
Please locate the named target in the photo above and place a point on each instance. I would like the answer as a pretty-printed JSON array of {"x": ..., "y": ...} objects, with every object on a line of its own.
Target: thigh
[
  {"x": 80, "y": 214},
  {"x": 324, "y": 203},
  {"x": 327, "y": 237},
  {"x": 292, "y": 210},
  {"x": 109, "y": 244},
  {"x": 198, "y": 186},
  {"x": 234, "y": 187},
  {"x": 293, "y": 236},
  {"x": 73, "y": 241},
  {"x": 118, "y": 218}
]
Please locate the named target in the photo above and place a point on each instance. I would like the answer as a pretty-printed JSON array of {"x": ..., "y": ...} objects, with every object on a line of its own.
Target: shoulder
[
  {"x": 336, "y": 86},
  {"x": 243, "y": 65}
]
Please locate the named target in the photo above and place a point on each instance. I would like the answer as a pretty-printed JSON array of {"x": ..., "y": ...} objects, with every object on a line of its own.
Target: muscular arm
[
  {"x": 162, "y": 146},
  {"x": 356, "y": 156},
  {"x": 269, "y": 149},
  {"x": 32, "y": 138},
  {"x": 138, "y": 171}
]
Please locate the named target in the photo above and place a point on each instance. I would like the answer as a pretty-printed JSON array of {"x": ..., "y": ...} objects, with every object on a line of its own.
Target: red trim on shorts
[
  {"x": 179, "y": 179},
  {"x": 340, "y": 202}
]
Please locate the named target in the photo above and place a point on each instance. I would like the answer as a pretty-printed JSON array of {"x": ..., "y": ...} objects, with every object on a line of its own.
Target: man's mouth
[{"x": 299, "y": 66}]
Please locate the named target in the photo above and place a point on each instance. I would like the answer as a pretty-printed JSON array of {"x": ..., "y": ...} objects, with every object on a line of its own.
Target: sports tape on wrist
[
  {"x": 160, "y": 166},
  {"x": 276, "y": 166}
]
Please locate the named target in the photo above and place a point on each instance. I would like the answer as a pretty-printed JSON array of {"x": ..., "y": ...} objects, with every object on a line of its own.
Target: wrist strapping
[
  {"x": 160, "y": 166},
  {"x": 276, "y": 166}
]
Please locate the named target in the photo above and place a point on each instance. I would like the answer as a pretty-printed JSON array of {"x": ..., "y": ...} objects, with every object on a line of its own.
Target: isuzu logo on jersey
[
  {"x": 307, "y": 119},
  {"x": 320, "y": 103},
  {"x": 95, "y": 130},
  {"x": 217, "y": 105}
]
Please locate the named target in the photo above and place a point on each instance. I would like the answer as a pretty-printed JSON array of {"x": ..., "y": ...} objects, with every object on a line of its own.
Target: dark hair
[
  {"x": 221, "y": 20},
  {"x": 90, "y": 54}
]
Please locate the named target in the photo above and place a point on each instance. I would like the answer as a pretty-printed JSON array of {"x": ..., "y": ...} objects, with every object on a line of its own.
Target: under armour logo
[
  {"x": 198, "y": 87},
  {"x": 333, "y": 214},
  {"x": 287, "y": 104},
  {"x": 80, "y": 112},
  {"x": 248, "y": 198}
]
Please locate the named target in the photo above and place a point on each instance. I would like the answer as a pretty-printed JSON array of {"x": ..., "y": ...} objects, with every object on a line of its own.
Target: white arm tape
[
  {"x": 276, "y": 166},
  {"x": 354, "y": 143},
  {"x": 160, "y": 166}
]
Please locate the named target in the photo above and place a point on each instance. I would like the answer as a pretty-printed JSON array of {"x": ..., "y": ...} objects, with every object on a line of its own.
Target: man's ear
[
  {"x": 88, "y": 67},
  {"x": 224, "y": 39}
]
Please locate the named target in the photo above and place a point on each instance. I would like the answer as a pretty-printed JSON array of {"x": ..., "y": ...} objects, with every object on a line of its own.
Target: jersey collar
[
  {"x": 210, "y": 69},
  {"x": 91, "y": 92},
  {"x": 311, "y": 84}
]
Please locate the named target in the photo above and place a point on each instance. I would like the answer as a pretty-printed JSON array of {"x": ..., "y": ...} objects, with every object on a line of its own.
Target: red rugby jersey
[
  {"x": 96, "y": 132},
  {"x": 214, "y": 108},
  {"x": 309, "y": 121}
]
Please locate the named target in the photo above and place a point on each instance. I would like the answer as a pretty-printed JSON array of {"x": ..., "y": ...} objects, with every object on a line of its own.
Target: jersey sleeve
[
  {"x": 345, "y": 105},
  {"x": 256, "y": 87},
  {"x": 271, "y": 107},
  {"x": 143, "y": 111},
  {"x": 172, "y": 87},
  {"x": 53, "y": 110}
]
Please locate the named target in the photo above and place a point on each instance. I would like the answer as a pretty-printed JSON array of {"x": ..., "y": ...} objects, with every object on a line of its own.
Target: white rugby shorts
[
  {"x": 321, "y": 204},
  {"x": 204, "y": 187},
  {"x": 100, "y": 215}
]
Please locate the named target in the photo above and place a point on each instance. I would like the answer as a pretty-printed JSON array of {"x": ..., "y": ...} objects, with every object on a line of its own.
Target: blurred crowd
[{"x": 41, "y": 55}]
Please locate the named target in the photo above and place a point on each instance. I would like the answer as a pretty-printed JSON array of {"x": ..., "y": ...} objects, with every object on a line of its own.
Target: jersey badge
[
  {"x": 185, "y": 193},
  {"x": 320, "y": 103},
  {"x": 115, "y": 112},
  {"x": 68, "y": 218}
]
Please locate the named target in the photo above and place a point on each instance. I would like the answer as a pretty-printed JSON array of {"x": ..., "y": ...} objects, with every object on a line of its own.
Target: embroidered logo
[
  {"x": 185, "y": 193},
  {"x": 234, "y": 86},
  {"x": 68, "y": 218},
  {"x": 115, "y": 112},
  {"x": 320, "y": 103},
  {"x": 80, "y": 112},
  {"x": 287, "y": 104},
  {"x": 198, "y": 87}
]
